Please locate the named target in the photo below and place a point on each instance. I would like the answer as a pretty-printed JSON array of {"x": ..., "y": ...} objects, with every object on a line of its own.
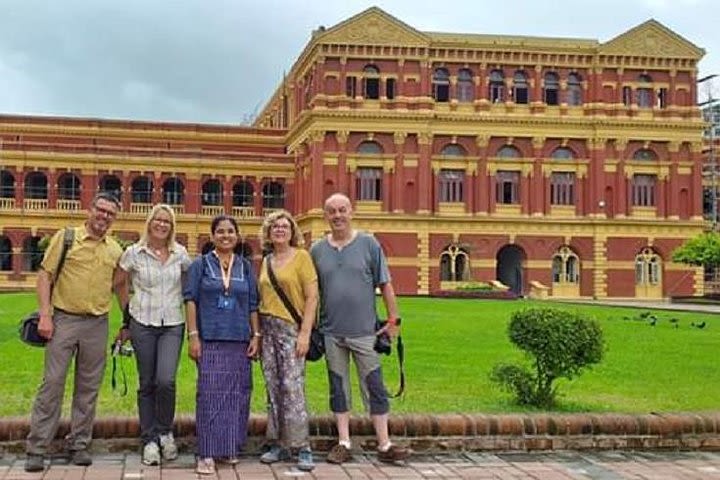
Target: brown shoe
[
  {"x": 394, "y": 454},
  {"x": 339, "y": 454}
]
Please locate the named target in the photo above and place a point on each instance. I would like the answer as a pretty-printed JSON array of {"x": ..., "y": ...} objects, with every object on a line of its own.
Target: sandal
[{"x": 205, "y": 466}]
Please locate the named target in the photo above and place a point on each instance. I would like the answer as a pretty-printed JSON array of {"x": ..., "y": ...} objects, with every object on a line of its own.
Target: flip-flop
[{"x": 205, "y": 466}]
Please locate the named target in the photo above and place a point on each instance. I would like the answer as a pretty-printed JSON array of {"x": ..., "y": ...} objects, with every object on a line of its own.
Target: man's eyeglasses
[{"x": 105, "y": 211}]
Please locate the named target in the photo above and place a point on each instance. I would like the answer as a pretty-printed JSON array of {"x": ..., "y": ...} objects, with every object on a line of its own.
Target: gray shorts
[{"x": 367, "y": 363}]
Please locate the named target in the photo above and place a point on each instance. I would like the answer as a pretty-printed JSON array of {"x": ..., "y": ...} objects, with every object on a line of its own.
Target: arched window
[
  {"x": 371, "y": 82},
  {"x": 243, "y": 193},
  {"x": 496, "y": 86},
  {"x": 508, "y": 151},
  {"x": 562, "y": 153},
  {"x": 648, "y": 267},
  {"x": 453, "y": 150},
  {"x": 36, "y": 185},
  {"x": 551, "y": 88},
  {"x": 644, "y": 93},
  {"x": 520, "y": 88},
  {"x": 565, "y": 266},
  {"x": 173, "y": 191},
  {"x": 111, "y": 184},
  {"x": 454, "y": 264},
  {"x": 441, "y": 85},
  {"x": 370, "y": 147},
  {"x": 574, "y": 90},
  {"x": 273, "y": 195},
  {"x": 141, "y": 190},
  {"x": 212, "y": 192},
  {"x": 5, "y": 254},
  {"x": 465, "y": 86},
  {"x": 7, "y": 184},
  {"x": 32, "y": 254},
  {"x": 68, "y": 187},
  {"x": 644, "y": 154}
]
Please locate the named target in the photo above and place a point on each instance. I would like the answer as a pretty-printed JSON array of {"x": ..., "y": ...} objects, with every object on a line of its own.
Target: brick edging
[{"x": 539, "y": 431}]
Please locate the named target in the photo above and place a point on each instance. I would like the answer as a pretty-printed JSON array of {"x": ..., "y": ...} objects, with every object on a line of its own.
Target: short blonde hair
[
  {"x": 151, "y": 216},
  {"x": 296, "y": 240}
]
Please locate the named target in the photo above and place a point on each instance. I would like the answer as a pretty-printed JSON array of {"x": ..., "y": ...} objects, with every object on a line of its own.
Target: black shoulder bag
[
  {"x": 317, "y": 343},
  {"x": 28, "y": 328}
]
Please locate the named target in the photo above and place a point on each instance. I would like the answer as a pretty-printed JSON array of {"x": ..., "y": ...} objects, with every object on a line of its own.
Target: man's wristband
[
  {"x": 393, "y": 321},
  {"x": 192, "y": 333}
]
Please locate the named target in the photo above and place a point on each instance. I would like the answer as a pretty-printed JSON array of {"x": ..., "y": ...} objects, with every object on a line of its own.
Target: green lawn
[{"x": 451, "y": 345}]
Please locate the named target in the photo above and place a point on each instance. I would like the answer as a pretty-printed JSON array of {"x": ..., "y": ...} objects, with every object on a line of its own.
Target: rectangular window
[
  {"x": 451, "y": 185},
  {"x": 551, "y": 96},
  {"x": 390, "y": 88},
  {"x": 465, "y": 91},
  {"x": 496, "y": 93},
  {"x": 371, "y": 88},
  {"x": 508, "y": 188},
  {"x": 369, "y": 184},
  {"x": 643, "y": 190},
  {"x": 351, "y": 87},
  {"x": 627, "y": 96},
  {"x": 521, "y": 95},
  {"x": 562, "y": 188},
  {"x": 662, "y": 98},
  {"x": 645, "y": 97}
]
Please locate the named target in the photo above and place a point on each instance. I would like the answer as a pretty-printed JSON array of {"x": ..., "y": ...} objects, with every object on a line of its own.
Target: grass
[{"x": 451, "y": 346}]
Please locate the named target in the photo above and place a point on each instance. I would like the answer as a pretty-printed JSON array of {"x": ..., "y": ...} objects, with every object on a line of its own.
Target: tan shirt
[
  {"x": 293, "y": 277},
  {"x": 85, "y": 282}
]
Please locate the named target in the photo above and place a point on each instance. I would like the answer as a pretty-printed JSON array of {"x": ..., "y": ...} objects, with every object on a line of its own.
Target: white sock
[
  {"x": 346, "y": 444},
  {"x": 385, "y": 448}
]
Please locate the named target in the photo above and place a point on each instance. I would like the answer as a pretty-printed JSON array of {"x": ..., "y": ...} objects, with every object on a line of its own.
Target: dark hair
[
  {"x": 241, "y": 248},
  {"x": 108, "y": 197},
  {"x": 220, "y": 218}
]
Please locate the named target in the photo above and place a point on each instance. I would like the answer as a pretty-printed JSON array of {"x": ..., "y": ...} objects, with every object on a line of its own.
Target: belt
[{"x": 80, "y": 314}]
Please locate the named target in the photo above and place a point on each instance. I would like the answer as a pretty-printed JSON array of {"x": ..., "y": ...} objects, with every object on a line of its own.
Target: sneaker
[
  {"x": 168, "y": 447},
  {"x": 34, "y": 463},
  {"x": 81, "y": 457},
  {"x": 205, "y": 466},
  {"x": 394, "y": 454},
  {"x": 275, "y": 454},
  {"x": 305, "y": 460},
  {"x": 339, "y": 454},
  {"x": 151, "y": 454}
]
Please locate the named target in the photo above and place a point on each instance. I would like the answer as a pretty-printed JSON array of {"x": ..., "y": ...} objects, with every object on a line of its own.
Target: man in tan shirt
[{"x": 75, "y": 321}]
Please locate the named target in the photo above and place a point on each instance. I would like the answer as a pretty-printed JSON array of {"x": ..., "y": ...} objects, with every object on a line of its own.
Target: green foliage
[
  {"x": 560, "y": 343},
  {"x": 475, "y": 287},
  {"x": 701, "y": 251}
]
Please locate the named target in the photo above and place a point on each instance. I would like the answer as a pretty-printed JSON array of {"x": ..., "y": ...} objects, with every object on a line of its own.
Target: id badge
[{"x": 225, "y": 302}]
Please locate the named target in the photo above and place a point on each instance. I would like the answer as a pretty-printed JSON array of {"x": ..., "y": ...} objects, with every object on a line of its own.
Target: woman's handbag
[
  {"x": 28, "y": 327},
  {"x": 317, "y": 341}
]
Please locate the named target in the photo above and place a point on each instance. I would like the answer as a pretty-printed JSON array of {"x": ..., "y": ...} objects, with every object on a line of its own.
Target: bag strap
[
  {"x": 280, "y": 292},
  {"x": 123, "y": 377},
  {"x": 401, "y": 366},
  {"x": 68, "y": 239}
]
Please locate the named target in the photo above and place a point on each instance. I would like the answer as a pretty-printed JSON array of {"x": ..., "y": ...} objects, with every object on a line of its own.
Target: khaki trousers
[{"x": 85, "y": 338}]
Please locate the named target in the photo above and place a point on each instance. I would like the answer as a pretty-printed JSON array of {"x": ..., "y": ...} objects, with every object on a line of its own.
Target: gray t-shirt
[{"x": 347, "y": 280}]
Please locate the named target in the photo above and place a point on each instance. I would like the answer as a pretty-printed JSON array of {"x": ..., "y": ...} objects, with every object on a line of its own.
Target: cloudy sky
[{"x": 219, "y": 60}]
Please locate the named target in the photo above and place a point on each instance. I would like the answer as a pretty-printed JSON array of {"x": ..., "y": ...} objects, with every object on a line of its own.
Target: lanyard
[{"x": 227, "y": 274}]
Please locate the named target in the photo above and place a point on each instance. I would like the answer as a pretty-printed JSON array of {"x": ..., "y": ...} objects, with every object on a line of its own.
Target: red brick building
[{"x": 566, "y": 166}]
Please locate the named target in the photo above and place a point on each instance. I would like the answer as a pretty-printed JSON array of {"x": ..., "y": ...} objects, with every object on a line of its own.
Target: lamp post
[{"x": 710, "y": 103}]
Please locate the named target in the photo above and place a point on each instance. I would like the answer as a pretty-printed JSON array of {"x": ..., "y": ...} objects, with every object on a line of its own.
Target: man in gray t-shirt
[{"x": 350, "y": 265}]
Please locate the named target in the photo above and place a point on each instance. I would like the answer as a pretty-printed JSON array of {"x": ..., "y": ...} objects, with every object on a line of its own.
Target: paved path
[
  {"x": 660, "y": 305},
  {"x": 612, "y": 465}
]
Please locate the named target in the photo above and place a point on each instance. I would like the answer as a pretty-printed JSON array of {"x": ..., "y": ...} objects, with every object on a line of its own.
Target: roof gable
[
  {"x": 373, "y": 26},
  {"x": 652, "y": 39}
]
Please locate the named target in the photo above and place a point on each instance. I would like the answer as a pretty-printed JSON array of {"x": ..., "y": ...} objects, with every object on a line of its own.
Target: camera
[
  {"x": 383, "y": 342},
  {"x": 123, "y": 349}
]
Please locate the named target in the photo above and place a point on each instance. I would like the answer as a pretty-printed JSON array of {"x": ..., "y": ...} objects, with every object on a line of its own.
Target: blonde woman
[
  {"x": 154, "y": 322},
  {"x": 284, "y": 341}
]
